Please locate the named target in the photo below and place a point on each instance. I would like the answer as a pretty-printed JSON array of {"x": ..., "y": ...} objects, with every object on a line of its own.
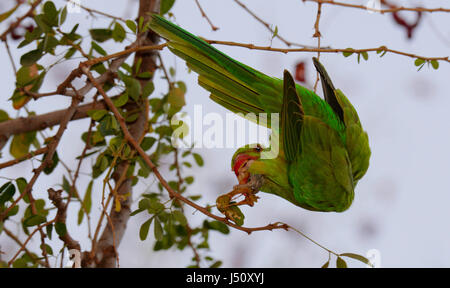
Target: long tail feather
[{"x": 232, "y": 84}]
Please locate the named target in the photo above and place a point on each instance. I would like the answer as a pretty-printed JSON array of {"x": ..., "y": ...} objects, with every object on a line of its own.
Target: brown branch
[
  {"x": 326, "y": 50},
  {"x": 317, "y": 35},
  {"x": 41, "y": 122},
  {"x": 382, "y": 11},
  {"x": 104, "y": 253},
  {"x": 23, "y": 158},
  {"x": 61, "y": 215},
  {"x": 214, "y": 28}
]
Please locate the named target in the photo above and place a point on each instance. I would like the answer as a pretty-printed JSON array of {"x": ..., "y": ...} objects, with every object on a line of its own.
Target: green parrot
[{"x": 324, "y": 150}]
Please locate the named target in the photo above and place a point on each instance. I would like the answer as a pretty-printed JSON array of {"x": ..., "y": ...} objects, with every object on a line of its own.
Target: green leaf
[
  {"x": 216, "y": 264},
  {"x": 365, "y": 55},
  {"x": 137, "y": 211},
  {"x": 133, "y": 86},
  {"x": 26, "y": 75},
  {"x": 55, "y": 160},
  {"x": 1, "y": 227},
  {"x": 132, "y": 25},
  {"x": 50, "y": 13},
  {"x": 348, "y": 52},
  {"x": 7, "y": 192},
  {"x": 118, "y": 32},
  {"x": 63, "y": 16},
  {"x": 70, "y": 53},
  {"x": 141, "y": 23},
  {"x": 326, "y": 264},
  {"x": 179, "y": 216},
  {"x": 60, "y": 229},
  {"x": 31, "y": 57},
  {"x": 419, "y": 62},
  {"x": 435, "y": 64},
  {"x": 13, "y": 211},
  {"x": 34, "y": 220},
  {"x": 189, "y": 179},
  {"x": 42, "y": 23},
  {"x": 176, "y": 97},
  {"x": 20, "y": 145},
  {"x": 49, "y": 230},
  {"x": 182, "y": 86},
  {"x": 198, "y": 159},
  {"x": 143, "y": 232},
  {"x": 121, "y": 100},
  {"x": 340, "y": 263},
  {"x": 3, "y": 115},
  {"x": 97, "y": 48},
  {"x": 148, "y": 89},
  {"x": 87, "y": 203},
  {"x": 101, "y": 35},
  {"x": 47, "y": 248},
  {"x": 144, "y": 75},
  {"x": 158, "y": 230},
  {"x": 21, "y": 184},
  {"x": 165, "y": 6},
  {"x": 8, "y": 13},
  {"x": 217, "y": 225},
  {"x": 357, "y": 257},
  {"x": 97, "y": 115},
  {"x": 147, "y": 143},
  {"x": 66, "y": 185},
  {"x": 275, "y": 32}
]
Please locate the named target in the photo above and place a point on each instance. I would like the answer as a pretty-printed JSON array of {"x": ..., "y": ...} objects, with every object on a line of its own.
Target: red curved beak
[{"x": 241, "y": 160}]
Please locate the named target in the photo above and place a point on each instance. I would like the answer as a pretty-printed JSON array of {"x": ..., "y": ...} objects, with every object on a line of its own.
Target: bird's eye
[{"x": 258, "y": 148}]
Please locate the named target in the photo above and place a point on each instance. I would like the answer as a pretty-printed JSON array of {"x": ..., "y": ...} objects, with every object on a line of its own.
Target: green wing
[
  {"x": 291, "y": 118},
  {"x": 356, "y": 139},
  {"x": 321, "y": 174}
]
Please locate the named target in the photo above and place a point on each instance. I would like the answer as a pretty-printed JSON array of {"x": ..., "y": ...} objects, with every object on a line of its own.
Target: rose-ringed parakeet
[{"x": 324, "y": 150}]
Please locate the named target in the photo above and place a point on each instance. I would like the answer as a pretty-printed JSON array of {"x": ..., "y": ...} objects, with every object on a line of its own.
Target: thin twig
[
  {"x": 214, "y": 28},
  {"x": 269, "y": 27},
  {"x": 31, "y": 255},
  {"x": 23, "y": 158},
  {"x": 382, "y": 11},
  {"x": 22, "y": 248},
  {"x": 317, "y": 35},
  {"x": 326, "y": 50}
]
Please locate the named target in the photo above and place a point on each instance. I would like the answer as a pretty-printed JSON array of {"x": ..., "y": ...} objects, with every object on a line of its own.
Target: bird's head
[{"x": 242, "y": 159}]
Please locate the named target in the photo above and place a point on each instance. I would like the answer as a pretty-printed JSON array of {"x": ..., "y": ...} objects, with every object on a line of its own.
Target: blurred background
[{"x": 401, "y": 205}]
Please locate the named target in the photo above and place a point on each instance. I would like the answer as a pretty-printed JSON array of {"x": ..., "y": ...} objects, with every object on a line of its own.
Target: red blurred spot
[
  {"x": 408, "y": 26},
  {"x": 401, "y": 21},
  {"x": 300, "y": 72}
]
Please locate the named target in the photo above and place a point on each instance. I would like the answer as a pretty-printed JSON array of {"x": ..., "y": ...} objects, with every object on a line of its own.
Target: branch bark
[{"x": 105, "y": 250}]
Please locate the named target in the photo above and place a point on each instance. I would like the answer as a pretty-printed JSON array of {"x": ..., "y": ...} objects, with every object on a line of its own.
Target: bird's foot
[{"x": 228, "y": 205}]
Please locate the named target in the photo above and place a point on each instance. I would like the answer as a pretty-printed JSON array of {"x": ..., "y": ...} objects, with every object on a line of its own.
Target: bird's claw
[{"x": 227, "y": 205}]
